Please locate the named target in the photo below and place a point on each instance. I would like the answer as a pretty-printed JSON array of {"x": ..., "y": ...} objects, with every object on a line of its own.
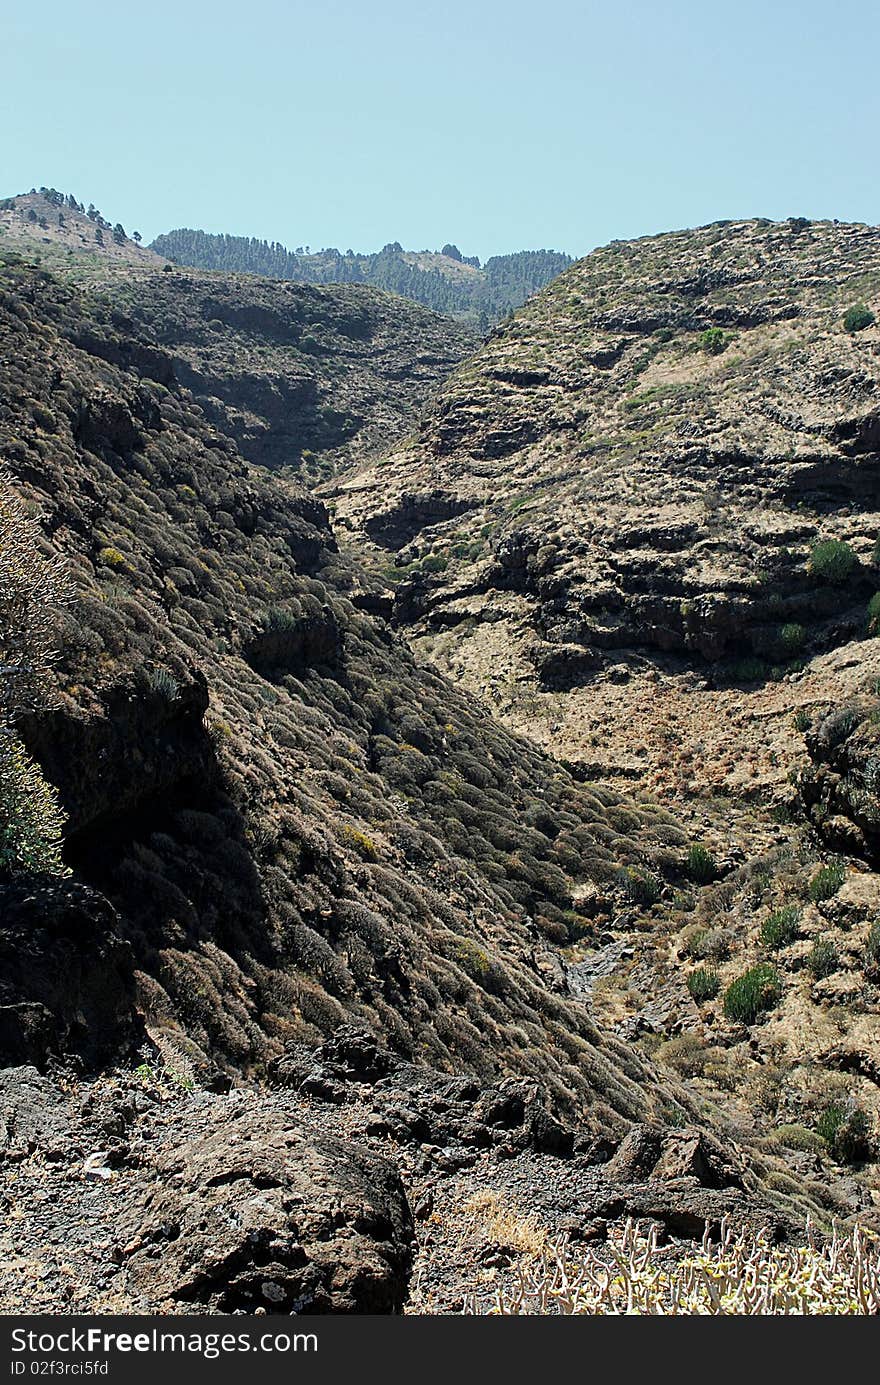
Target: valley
[{"x": 467, "y": 751}]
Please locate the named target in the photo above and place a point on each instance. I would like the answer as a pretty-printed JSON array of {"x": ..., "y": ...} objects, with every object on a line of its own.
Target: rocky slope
[
  {"x": 309, "y": 377},
  {"x": 354, "y": 1183},
  {"x": 253, "y": 768},
  {"x": 628, "y": 480},
  {"x": 642, "y": 523},
  {"x": 280, "y": 823}
]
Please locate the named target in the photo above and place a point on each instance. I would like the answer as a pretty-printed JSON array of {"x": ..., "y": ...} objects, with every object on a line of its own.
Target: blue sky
[{"x": 499, "y": 126}]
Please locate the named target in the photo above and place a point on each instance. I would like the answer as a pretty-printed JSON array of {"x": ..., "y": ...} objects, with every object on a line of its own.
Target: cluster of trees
[
  {"x": 66, "y": 201},
  {"x": 501, "y": 284}
]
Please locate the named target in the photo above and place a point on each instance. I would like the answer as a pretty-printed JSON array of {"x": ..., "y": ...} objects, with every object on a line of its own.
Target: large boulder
[
  {"x": 256, "y": 1212},
  {"x": 66, "y": 976}
]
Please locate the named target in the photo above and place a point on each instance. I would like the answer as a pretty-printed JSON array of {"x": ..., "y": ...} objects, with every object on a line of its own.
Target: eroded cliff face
[
  {"x": 839, "y": 786},
  {"x": 310, "y": 378}
]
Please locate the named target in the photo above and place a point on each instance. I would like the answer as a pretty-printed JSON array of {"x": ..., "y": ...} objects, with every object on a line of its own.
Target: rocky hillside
[
  {"x": 642, "y": 523},
  {"x": 311, "y": 378},
  {"x": 665, "y": 467},
  {"x": 80, "y": 238},
  {"x": 302, "y": 860},
  {"x": 222, "y": 700}
]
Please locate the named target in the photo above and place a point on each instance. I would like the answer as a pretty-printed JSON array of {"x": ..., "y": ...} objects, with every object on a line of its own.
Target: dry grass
[{"x": 489, "y": 1217}]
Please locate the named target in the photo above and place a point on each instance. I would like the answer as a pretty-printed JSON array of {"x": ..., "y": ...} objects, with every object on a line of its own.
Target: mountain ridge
[{"x": 444, "y": 280}]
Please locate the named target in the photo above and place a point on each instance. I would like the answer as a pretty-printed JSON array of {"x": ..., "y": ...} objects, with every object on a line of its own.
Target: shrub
[
  {"x": 279, "y": 621},
  {"x": 872, "y": 945},
  {"x": 802, "y": 719},
  {"x": 826, "y": 882},
  {"x": 798, "y": 1137},
  {"x": 31, "y": 821},
  {"x": 638, "y": 886},
  {"x": 748, "y": 670},
  {"x": 792, "y": 639},
  {"x": 161, "y": 683},
  {"x": 704, "y": 984},
  {"x": 704, "y": 943},
  {"x": 741, "y": 1275},
  {"x": 781, "y": 927},
  {"x": 823, "y": 958},
  {"x": 872, "y": 624},
  {"x": 832, "y": 560},
  {"x": 473, "y": 960},
  {"x": 685, "y": 1054},
  {"x": 111, "y": 557},
  {"x": 29, "y": 588},
  {"x": 758, "y": 989},
  {"x": 859, "y": 316},
  {"x": 701, "y": 865},
  {"x": 847, "y": 1131},
  {"x": 360, "y": 842},
  {"x": 714, "y": 340}
]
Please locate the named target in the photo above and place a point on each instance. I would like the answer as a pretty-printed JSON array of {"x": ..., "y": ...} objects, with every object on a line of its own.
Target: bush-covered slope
[
  {"x": 642, "y": 522},
  {"x": 297, "y": 825},
  {"x": 313, "y": 378},
  {"x": 309, "y": 377}
]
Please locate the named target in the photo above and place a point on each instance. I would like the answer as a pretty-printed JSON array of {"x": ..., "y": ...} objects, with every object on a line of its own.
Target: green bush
[
  {"x": 758, "y": 989},
  {"x": 798, "y": 1137},
  {"x": 826, "y": 882},
  {"x": 279, "y": 621},
  {"x": 823, "y": 958},
  {"x": 748, "y": 670},
  {"x": 704, "y": 984},
  {"x": 781, "y": 927},
  {"x": 638, "y": 886},
  {"x": 31, "y": 820},
  {"x": 802, "y": 720},
  {"x": 792, "y": 638},
  {"x": 872, "y": 946},
  {"x": 701, "y": 865},
  {"x": 847, "y": 1131},
  {"x": 714, "y": 340},
  {"x": 832, "y": 560},
  {"x": 872, "y": 624},
  {"x": 859, "y": 316}
]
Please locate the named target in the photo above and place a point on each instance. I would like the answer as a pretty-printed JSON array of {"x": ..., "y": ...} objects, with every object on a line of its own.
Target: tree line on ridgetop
[{"x": 484, "y": 296}]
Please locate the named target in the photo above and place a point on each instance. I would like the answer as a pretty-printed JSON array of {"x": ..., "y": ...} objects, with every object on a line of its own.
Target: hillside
[
  {"x": 80, "y": 239},
  {"x": 642, "y": 523},
  {"x": 278, "y": 824},
  {"x": 309, "y": 378},
  {"x": 336, "y": 939},
  {"x": 444, "y": 280},
  {"x": 635, "y": 472}
]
